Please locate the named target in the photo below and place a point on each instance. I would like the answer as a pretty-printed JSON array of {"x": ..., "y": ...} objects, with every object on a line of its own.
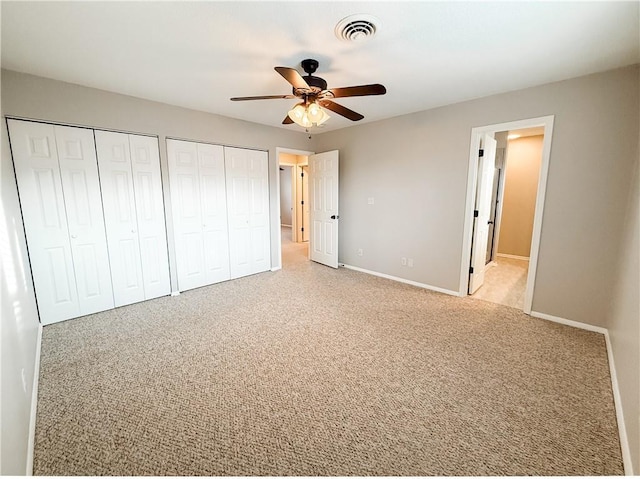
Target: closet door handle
[{"x": 74, "y": 236}]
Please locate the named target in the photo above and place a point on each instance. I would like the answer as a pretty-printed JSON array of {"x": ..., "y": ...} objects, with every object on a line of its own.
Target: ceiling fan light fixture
[
  {"x": 315, "y": 112},
  {"x": 308, "y": 115},
  {"x": 324, "y": 118},
  {"x": 297, "y": 112}
]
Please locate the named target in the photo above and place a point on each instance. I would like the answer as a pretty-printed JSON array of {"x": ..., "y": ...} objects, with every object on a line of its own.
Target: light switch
[{"x": 370, "y": 200}]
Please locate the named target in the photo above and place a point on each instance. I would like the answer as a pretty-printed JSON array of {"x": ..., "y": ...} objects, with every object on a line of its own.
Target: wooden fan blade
[
  {"x": 287, "y": 120},
  {"x": 293, "y": 77},
  {"x": 361, "y": 90},
  {"x": 268, "y": 97},
  {"x": 341, "y": 110}
]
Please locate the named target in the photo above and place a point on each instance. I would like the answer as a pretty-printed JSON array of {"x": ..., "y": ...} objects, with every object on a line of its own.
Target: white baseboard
[
  {"x": 513, "y": 256},
  {"x": 34, "y": 405},
  {"x": 617, "y": 401},
  {"x": 622, "y": 431},
  {"x": 175, "y": 293},
  {"x": 569, "y": 322},
  {"x": 402, "y": 280},
  {"x": 276, "y": 268}
]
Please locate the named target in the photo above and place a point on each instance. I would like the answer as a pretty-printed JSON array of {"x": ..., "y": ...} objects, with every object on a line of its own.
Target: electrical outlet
[
  {"x": 370, "y": 200},
  {"x": 403, "y": 261},
  {"x": 410, "y": 262},
  {"x": 360, "y": 253}
]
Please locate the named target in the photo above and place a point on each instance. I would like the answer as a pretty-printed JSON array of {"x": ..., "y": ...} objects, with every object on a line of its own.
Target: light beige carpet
[{"x": 315, "y": 371}]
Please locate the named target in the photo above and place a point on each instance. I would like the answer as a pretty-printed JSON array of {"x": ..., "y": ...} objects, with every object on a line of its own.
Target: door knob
[
  {"x": 335, "y": 217},
  {"x": 74, "y": 236},
  {"x": 489, "y": 222}
]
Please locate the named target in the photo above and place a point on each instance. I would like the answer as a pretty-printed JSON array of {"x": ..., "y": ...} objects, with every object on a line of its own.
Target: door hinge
[
  {"x": 302, "y": 229},
  {"x": 475, "y": 213},
  {"x": 302, "y": 174},
  {"x": 481, "y": 153},
  {"x": 470, "y": 269},
  {"x": 302, "y": 202}
]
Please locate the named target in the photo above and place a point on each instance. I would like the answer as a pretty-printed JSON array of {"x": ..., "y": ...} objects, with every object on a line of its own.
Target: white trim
[
  {"x": 569, "y": 322},
  {"x": 175, "y": 293},
  {"x": 292, "y": 151},
  {"x": 401, "y": 280},
  {"x": 622, "y": 431},
  {"x": 34, "y": 405},
  {"x": 276, "y": 268},
  {"x": 472, "y": 179},
  {"x": 513, "y": 256},
  {"x": 617, "y": 401}
]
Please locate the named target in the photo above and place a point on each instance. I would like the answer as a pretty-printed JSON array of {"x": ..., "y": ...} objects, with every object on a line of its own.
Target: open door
[
  {"x": 323, "y": 195},
  {"x": 482, "y": 212}
]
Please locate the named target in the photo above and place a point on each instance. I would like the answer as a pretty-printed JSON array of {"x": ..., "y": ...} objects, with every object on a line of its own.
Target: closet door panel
[
  {"x": 83, "y": 204},
  {"x": 37, "y": 171},
  {"x": 248, "y": 209},
  {"x": 214, "y": 212},
  {"x": 116, "y": 178},
  {"x": 147, "y": 181},
  {"x": 184, "y": 181},
  {"x": 260, "y": 234}
]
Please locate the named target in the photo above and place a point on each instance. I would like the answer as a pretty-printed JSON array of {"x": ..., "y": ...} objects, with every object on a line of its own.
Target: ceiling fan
[{"x": 314, "y": 94}]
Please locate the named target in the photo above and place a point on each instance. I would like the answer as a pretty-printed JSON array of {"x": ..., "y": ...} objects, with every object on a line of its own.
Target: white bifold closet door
[
  {"x": 134, "y": 216},
  {"x": 199, "y": 206},
  {"x": 247, "y": 175},
  {"x": 59, "y": 190}
]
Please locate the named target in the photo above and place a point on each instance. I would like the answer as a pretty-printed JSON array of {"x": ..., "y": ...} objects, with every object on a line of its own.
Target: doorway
[
  {"x": 291, "y": 194},
  {"x": 513, "y": 212}
]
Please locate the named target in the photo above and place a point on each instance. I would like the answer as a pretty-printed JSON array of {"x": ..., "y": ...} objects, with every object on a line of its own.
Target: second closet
[{"x": 220, "y": 206}]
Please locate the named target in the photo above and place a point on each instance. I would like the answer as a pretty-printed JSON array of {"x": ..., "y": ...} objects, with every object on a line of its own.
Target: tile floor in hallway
[{"x": 505, "y": 281}]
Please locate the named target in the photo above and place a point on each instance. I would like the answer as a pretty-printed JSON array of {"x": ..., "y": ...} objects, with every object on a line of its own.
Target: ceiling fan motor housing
[{"x": 316, "y": 84}]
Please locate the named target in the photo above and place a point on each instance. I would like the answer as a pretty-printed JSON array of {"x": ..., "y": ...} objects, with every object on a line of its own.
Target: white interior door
[
  {"x": 323, "y": 193},
  {"x": 247, "y": 175},
  {"x": 305, "y": 203},
  {"x": 184, "y": 180},
  {"x": 214, "y": 212},
  {"x": 116, "y": 179},
  {"x": 35, "y": 158},
  {"x": 152, "y": 232},
  {"x": 83, "y": 204},
  {"x": 486, "y": 167}
]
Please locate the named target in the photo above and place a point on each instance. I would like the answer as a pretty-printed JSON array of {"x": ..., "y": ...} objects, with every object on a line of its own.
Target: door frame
[
  {"x": 472, "y": 180},
  {"x": 276, "y": 174}
]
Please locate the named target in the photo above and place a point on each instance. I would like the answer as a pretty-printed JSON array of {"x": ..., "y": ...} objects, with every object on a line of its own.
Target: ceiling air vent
[{"x": 356, "y": 28}]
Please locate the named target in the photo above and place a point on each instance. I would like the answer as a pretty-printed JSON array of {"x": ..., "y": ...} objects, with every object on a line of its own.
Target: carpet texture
[{"x": 315, "y": 371}]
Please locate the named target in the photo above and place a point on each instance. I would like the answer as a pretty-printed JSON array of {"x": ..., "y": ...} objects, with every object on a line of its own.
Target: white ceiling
[{"x": 199, "y": 54}]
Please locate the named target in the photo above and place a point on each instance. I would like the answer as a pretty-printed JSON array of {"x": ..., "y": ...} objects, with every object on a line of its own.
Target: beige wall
[
  {"x": 19, "y": 325},
  {"x": 522, "y": 172},
  {"x": 39, "y": 98},
  {"x": 289, "y": 159},
  {"x": 286, "y": 201},
  {"x": 415, "y": 166},
  {"x": 624, "y": 316}
]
